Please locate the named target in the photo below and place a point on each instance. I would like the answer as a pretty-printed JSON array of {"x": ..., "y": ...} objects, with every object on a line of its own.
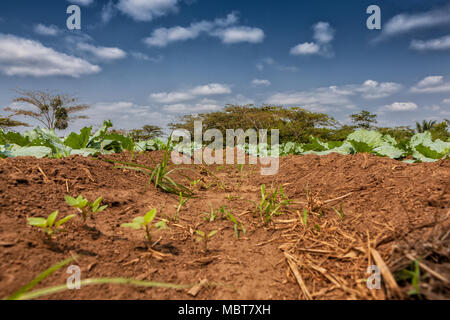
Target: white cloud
[
  {"x": 82, "y": 2},
  {"x": 261, "y": 82},
  {"x": 108, "y": 12},
  {"x": 430, "y": 81},
  {"x": 240, "y": 34},
  {"x": 211, "y": 89},
  {"x": 171, "y": 97},
  {"x": 147, "y": 10},
  {"x": 164, "y": 36},
  {"x": 404, "y": 23},
  {"x": 124, "y": 115},
  {"x": 181, "y": 96},
  {"x": 239, "y": 99},
  {"x": 323, "y": 35},
  {"x": 203, "y": 106},
  {"x": 269, "y": 62},
  {"x": 315, "y": 100},
  {"x": 431, "y": 84},
  {"x": 432, "y": 108},
  {"x": 220, "y": 28},
  {"x": 46, "y": 30},
  {"x": 373, "y": 90},
  {"x": 401, "y": 106},
  {"x": 442, "y": 43},
  {"x": 142, "y": 56},
  {"x": 24, "y": 57},
  {"x": 446, "y": 101},
  {"x": 305, "y": 49},
  {"x": 325, "y": 98},
  {"x": 103, "y": 53}
]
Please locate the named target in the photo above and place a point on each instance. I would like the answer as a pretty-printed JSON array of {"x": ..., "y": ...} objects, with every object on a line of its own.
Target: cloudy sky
[{"x": 142, "y": 62}]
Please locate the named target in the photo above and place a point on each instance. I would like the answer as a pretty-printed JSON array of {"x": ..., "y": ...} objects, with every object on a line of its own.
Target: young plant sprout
[
  {"x": 49, "y": 226},
  {"x": 305, "y": 217},
  {"x": 211, "y": 216},
  {"x": 181, "y": 203},
  {"x": 160, "y": 174},
  {"x": 205, "y": 237},
  {"x": 237, "y": 225},
  {"x": 145, "y": 223},
  {"x": 271, "y": 203},
  {"x": 84, "y": 207},
  {"x": 339, "y": 212}
]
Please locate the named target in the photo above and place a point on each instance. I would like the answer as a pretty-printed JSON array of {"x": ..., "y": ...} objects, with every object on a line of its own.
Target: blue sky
[{"x": 142, "y": 62}]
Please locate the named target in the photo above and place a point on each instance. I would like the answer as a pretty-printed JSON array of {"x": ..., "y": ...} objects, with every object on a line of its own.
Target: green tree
[
  {"x": 425, "y": 125},
  {"x": 294, "y": 124},
  {"x": 6, "y": 123},
  {"x": 52, "y": 111},
  {"x": 401, "y": 133},
  {"x": 364, "y": 119},
  {"x": 440, "y": 131},
  {"x": 147, "y": 132}
]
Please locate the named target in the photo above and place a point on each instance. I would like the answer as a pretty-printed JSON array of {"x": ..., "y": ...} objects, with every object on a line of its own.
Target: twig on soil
[
  {"x": 294, "y": 268},
  {"x": 386, "y": 273},
  {"x": 196, "y": 289},
  {"x": 89, "y": 174},
  {"x": 338, "y": 198},
  {"x": 267, "y": 242},
  {"x": 46, "y": 179}
]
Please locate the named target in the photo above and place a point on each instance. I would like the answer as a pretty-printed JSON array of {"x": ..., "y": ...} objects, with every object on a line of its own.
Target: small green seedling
[
  {"x": 85, "y": 208},
  {"x": 340, "y": 213},
  {"x": 181, "y": 203},
  {"x": 50, "y": 226},
  {"x": 205, "y": 237},
  {"x": 160, "y": 174},
  {"x": 305, "y": 217},
  {"x": 238, "y": 226},
  {"x": 145, "y": 223},
  {"x": 195, "y": 182},
  {"x": 271, "y": 203},
  {"x": 211, "y": 216},
  {"x": 231, "y": 197},
  {"x": 413, "y": 275}
]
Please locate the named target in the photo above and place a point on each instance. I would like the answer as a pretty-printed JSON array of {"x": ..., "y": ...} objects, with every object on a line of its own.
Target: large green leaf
[
  {"x": 372, "y": 139},
  {"x": 15, "y": 138},
  {"x": 126, "y": 143},
  {"x": 34, "y": 151},
  {"x": 100, "y": 133},
  {"x": 79, "y": 141},
  {"x": 427, "y": 150},
  {"x": 389, "y": 150}
]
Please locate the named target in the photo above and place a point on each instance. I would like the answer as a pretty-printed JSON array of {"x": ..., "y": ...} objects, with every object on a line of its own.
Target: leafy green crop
[
  {"x": 145, "y": 223},
  {"x": 84, "y": 207},
  {"x": 49, "y": 225},
  {"x": 45, "y": 143}
]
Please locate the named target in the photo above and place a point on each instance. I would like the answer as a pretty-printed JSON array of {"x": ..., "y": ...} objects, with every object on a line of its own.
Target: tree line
[{"x": 56, "y": 112}]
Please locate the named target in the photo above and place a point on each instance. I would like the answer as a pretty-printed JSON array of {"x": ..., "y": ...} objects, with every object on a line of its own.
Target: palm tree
[{"x": 425, "y": 126}]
